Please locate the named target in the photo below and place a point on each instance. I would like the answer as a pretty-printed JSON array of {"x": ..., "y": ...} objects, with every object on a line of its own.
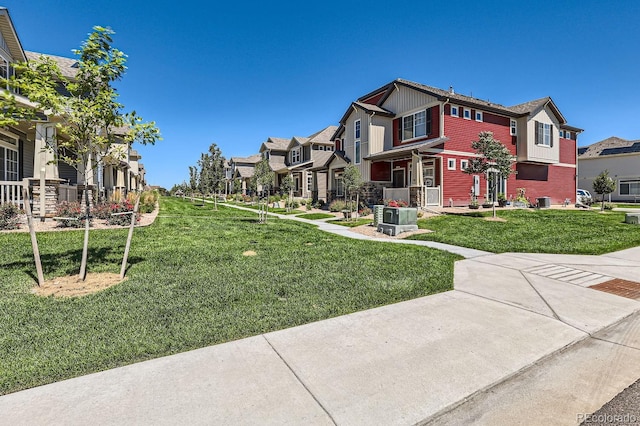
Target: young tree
[
  {"x": 286, "y": 187},
  {"x": 493, "y": 157},
  {"x": 85, "y": 106},
  {"x": 604, "y": 185},
  {"x": 352, "y": 181},
  {"x": 264, "y": 177},
  {"x": 194, "y": 179}
]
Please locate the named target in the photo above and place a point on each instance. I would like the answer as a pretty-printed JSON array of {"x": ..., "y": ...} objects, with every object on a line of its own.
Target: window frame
[
  {"x": 357, "y": 129},
  {"x": 479, "y": 116},
  {"x": 457, "y": 109},
  {"x": 464, "y": 165},
  {"x": 295, "y": 155},
  {"x": 628, "y": 183},
  {"x": 418, "y": 118},
  {"x": 357, "y": 152},
  {"x": 451, "y": 163},
  {"x": 513, "y": 128},
  {"x": 466, "y": 113}
]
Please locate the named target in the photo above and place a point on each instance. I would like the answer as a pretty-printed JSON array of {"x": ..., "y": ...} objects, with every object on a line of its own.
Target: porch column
[{"x": 44, "y": 156}]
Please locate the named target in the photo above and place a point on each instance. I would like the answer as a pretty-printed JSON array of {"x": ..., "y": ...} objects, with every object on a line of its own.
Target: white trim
[
  {"x": 457, "y": 108},
  {"x": 356, "y": 144},
  {"x": 466, "y": 113},
  {"x": 451, "y": 163},
  {"x": 413, "y": 115},
  {"x": 513, "y": 127},
  {"x": 464, "y": 165},
  {"x": 357, "y": 127},
  {"x": 479, "y": 116}
]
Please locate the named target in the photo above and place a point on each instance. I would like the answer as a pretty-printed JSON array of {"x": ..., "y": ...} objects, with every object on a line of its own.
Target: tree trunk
[
  {"x": 85, "y": 245},
  {"x": 129, "y": 237},
  {"x": 32, "y": 232}
]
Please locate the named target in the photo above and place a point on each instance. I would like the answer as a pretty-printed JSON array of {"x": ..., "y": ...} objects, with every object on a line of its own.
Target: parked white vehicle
[{"x": 583, "y": 197}]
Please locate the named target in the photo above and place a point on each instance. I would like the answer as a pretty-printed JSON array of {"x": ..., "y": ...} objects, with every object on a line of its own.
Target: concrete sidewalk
[{"x": 521, "y": 336}]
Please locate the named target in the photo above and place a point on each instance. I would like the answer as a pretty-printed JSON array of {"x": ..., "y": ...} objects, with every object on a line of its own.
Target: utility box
[
  {"x": 633, "y": 218},
  {"x": 396, "y": 220},
  {"x": 400, "y": 216},
  {"x": 544, "y": 202},
  {"x": 378, "y": 214}
]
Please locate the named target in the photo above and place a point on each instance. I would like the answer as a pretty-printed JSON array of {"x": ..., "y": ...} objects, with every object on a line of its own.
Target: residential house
[
  {"x": 244, "y": 169},
  {"x": 412, "y": 142},
  {"x": 621, "y": 158},
  {"x": 275, "y": 151},
  {"x": 304, "y": 156},
  {"x": 25, "y": 160}
]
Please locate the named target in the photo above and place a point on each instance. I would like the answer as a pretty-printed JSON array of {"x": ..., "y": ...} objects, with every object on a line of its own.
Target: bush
[
  {"x": 309, "y": 204},
  {"x": 121, "y": 219},
  {"x": 293, "y": 204},
  {"x": 609, "y": 206},
  {"x": 9, "y": 216},
  {"x": 102, "y": 211},
  {"x": 274, "y": 198},
  {"x": 71, "y": 210},
  {"x": 319, "y": 204},
  {"x": 337, "y": 206},
  {"x": 148, "y": 201},
  {"x": 365, "y": 211}
]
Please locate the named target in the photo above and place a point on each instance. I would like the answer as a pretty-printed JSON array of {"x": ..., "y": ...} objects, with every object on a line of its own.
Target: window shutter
[
  {"x": 397, "y": 131},
  {"x": 428, "y": 120},
  {"x": 551, "y": 137},
  {"x": 20, "y": 159},
  {"x": 537, "y": 138}
]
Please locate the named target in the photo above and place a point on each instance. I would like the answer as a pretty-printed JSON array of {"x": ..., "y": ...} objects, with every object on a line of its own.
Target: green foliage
[
  {"x": 189, "y": 286},
  {"x": 148, "y": 201},
  {"x": 9, "y": 216},
  {"x": 337, "y": 206},
  {"x": 315, "y": 216},
  {"x": 351, "y": 179},
  {"x": 350, "y": 223},
  {"x": 603, "y": 184},
  {"x": 264, "y": 176},
  {"x": 121, "y": 219},
  {"x": 493, "y": 155}
]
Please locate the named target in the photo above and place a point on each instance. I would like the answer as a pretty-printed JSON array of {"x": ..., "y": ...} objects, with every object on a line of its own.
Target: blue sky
[{"x": 235, "y": 73}]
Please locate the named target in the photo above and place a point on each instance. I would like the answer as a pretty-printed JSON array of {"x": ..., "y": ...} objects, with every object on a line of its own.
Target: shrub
[
  {"x": 293, "y": 204},
  {"x": 609, "y": 206},
  {"x": 9, "y": 216},
  {"x": 337, "y": 206},
  {"x": 102, "y": 211},
  {"x": 148, "y": 200},
  {"x": 309, "y": 204},
  {"x": 121, "y": 219},
  {"x": 319, "y": 204},
  {"x": 365, "y": 211},
  {"x": 71, "y": 210},
  {"x": 274, "y": 198}
]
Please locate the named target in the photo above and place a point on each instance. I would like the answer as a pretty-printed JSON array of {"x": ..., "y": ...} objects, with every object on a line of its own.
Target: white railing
[
  {"x": 398, "y": 194},
  {"x": 11, "y": 192},
  {"x": 67, "y": 193}
]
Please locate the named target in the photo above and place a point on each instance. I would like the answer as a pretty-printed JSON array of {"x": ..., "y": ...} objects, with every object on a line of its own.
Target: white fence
[
  {"x": 398, "y": 194},
  {"x": 433, "y": 196},
  {"x": 11, "y": 192}
]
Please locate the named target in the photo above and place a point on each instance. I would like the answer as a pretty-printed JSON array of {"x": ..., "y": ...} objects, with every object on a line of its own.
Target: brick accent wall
[{"x": 567, "y": 151}]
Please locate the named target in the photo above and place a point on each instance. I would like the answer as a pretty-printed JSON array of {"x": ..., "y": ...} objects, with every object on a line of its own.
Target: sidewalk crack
[{"x": 300, "y": 380}]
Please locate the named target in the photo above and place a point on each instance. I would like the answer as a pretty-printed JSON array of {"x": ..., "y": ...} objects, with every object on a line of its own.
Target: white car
[{"x": 583, "y": 197}]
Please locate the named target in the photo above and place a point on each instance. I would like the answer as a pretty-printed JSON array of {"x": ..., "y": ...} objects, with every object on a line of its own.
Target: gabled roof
[
  {"x": 68, "y": 66},
  {"x": 253, "y": 159},
  {"x": 10, "y": 36},
  {"x": 244, "y": 171},
  {"x": 276, "y": 144},
  {"x": 276, "y": 163},
  {"x": 368, "y": 108},
  {"x": 610, "y": 146},
  {"x": 381, "y": 94},
  {"x": 323, "y": 137},
  {"x": 333, "y": 154}
]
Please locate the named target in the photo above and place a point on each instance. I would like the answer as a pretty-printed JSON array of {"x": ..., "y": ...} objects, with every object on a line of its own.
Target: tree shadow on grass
[{"x": 71, "y": 260}]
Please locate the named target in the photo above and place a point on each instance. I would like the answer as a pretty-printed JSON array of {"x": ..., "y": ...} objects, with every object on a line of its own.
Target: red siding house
[{"x": 412, "y": 142}]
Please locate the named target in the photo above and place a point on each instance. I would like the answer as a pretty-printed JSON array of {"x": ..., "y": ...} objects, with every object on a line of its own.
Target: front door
[{"x": 398, "y": 178}]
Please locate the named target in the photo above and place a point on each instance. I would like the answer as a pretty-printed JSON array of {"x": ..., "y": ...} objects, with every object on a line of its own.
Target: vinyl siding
[
  {"x": 404, "y": 100},
  {"x": 539, "y": 153}
]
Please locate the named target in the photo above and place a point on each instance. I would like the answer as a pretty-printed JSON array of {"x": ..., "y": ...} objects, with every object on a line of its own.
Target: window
[
  {"x": 295, "y": 155},
  {"x": 8, "y": 157},
  {"x": 478, "y": 115},
  {"x": 416, "y": 125},
  {"x": 451, "y": 163},
  {"x": 309, "y": 181},
  {"x": 466, "y": 113},
  {"x": 11, "y": 165},
  {"x": 514, "y": 128},
  {"x": 356, "y": 129},
  {"x": 544, "y": 134},
  {"x": 630, "y": 187},
  {"x": 454, "y": 111},
  {"x": 356, "y": 154},
  {"x": 339, "y": 184},
  {"x": 567, "y": 134},
  {"x": 464, "y": 164}
]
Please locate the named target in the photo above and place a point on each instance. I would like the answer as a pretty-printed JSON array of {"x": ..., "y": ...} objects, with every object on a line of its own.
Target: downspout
[{"x": 441, "y": 160}]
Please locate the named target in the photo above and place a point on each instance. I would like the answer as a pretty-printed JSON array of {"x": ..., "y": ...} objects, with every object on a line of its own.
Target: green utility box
[{"x": 400, "y": 216}]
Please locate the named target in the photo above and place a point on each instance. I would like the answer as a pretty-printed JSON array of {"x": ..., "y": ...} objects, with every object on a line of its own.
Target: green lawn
[
  {"x": 315, "y": 216},
  {"x": 350, "y": 223},
  {"x": 190, "y": 286},
  {"x": 535, "y": 231}
]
